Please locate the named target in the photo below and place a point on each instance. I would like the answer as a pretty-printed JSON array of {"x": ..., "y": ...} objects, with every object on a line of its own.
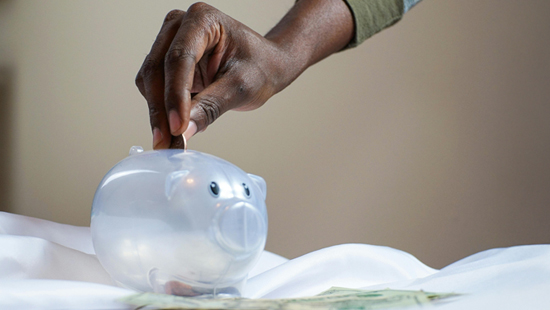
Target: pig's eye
[
  {"x": 246, "y": 190},
  {"x": 214, "y": 189}
]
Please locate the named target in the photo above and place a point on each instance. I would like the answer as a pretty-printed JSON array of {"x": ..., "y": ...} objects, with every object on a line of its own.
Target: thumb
[{"x": 208, "y": 105}]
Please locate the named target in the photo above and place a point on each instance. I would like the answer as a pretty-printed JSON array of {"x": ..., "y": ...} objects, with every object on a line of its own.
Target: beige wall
[{"x": 433, "y": 137}]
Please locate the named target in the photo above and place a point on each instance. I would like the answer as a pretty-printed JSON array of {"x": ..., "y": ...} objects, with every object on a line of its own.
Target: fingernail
[
  {"x": 190, "y": 131},
  {"x": 157, "y": 137},
  {"x": 175, "y": 122}
]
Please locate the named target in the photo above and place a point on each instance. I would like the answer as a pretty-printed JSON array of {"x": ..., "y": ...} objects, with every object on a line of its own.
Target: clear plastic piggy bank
[{"x": 179, "y": 222}]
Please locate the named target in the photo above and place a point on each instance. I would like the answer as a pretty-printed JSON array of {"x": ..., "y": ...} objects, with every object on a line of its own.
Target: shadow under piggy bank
[{"x": 179, "y": 222}]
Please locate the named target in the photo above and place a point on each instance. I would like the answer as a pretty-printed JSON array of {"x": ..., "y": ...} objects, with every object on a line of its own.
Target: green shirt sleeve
[{"x": 372, "y": 16}]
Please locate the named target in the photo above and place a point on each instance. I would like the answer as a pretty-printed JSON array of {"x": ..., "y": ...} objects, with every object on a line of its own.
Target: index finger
[
  {"x": 150, "y": 79},
  {"x": 197, "y": 34}
]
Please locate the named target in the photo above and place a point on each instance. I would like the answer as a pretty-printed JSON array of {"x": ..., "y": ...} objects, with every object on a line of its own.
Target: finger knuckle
[
  {"x": 178, "y": 54},
  {"x": 211, "y": 109},
  {"x": 173, "y": 15},
  {"x": 202, "y": 14},
  {"x": 198, "y": 8},
  {"x": 150, "y": 66},
  {"x": 154, "y": 113}
]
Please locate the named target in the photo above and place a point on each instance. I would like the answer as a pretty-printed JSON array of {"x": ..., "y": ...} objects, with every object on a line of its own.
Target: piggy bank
[{"x": 179, "y": 222}]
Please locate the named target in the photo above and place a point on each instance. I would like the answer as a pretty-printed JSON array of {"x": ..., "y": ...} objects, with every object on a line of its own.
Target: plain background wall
[{"x": 433, "y": 137}]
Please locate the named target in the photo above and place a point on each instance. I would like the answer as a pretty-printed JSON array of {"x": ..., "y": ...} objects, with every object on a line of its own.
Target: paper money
[
  {"x": 336, "y": 298},
  {"x": 342, "y": 291}
]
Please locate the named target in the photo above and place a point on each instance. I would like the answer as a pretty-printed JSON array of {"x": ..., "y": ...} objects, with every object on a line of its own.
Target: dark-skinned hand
[{"x": 204, "y": 63}]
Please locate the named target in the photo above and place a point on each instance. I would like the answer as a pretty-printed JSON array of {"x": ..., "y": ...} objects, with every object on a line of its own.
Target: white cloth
[{"x": 46, "y": 265}]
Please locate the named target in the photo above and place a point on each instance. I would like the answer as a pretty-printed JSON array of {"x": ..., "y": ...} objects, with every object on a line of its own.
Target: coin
[{"x": 178, "y": 142}]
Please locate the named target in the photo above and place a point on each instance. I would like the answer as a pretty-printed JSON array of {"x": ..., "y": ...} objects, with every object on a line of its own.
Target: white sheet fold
[
  {"x": 73, "y": 237},
  {"x": 347, "y": 265},
  {"x": 57, "y": 294}
]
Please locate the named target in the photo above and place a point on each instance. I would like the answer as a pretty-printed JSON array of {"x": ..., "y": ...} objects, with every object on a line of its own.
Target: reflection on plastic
[{"x": 179, "y": 222}]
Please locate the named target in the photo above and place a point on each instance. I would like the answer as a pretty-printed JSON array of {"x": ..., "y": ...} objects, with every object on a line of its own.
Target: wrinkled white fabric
[
  {"x": 348, "y": 265},
  {"x": 45, "y": 265},
  {"x": 507, "y": 278},
  {"x": 57, "y": 294},
  {"x": 72, "y": 237},
  {"x": 34, "y": 258}
]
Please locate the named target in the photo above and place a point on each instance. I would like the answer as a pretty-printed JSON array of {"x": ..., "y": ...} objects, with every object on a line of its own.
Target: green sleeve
[{"x": 372, "y": 16}]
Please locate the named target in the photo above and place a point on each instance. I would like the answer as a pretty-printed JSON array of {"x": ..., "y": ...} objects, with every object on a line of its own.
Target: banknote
[
  {"x": 342, "y": 291},
  {"x": 335, "y": 298}
]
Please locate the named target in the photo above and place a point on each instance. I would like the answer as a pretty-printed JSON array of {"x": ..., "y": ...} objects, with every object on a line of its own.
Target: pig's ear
[
  {"x": 173, "y": 180},
  {"x": 261, "y": 184}
]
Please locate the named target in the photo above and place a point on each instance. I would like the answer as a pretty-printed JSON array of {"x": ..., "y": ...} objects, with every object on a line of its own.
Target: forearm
[{"x": 311, "y": 31}]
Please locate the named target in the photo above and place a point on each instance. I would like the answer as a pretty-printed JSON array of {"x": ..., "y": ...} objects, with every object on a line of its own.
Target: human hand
[{"x": 204, "y": 63}]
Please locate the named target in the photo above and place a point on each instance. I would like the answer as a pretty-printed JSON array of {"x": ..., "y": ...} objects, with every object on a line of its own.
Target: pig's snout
[{"x": 240, "y": 228}]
